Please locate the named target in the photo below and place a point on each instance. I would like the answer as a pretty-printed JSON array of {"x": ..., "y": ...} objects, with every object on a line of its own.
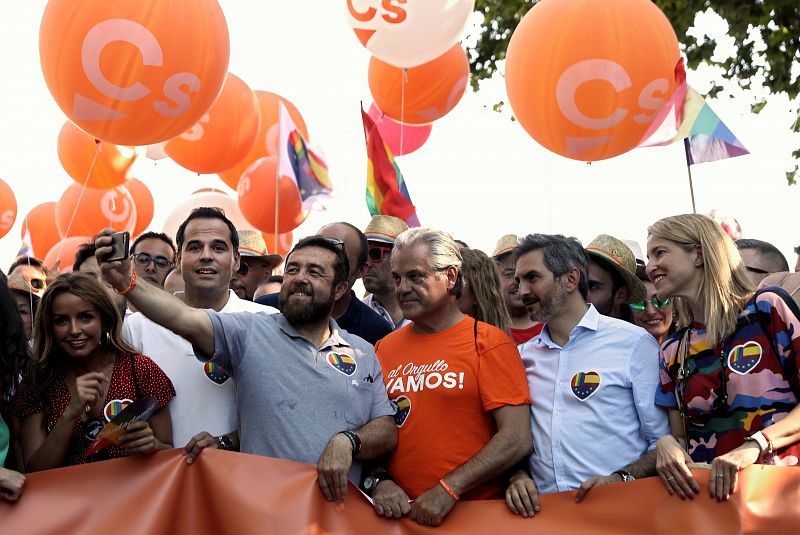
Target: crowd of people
[{"x": 545, "y": 366}]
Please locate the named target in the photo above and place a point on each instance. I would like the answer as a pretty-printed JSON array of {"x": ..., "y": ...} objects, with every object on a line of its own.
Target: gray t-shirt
[{"x": 292, "y": 397}]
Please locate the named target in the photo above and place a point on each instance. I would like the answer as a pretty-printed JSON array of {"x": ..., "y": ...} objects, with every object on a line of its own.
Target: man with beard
[
  {"x": 612, "y": 278},
  {"x": 349, "y": 312},
  {"x": 459, "y": 387},
  {"x": 593, "y": 380},
  {"x": 381, "y": 233},
  {"x": 522, "y": 328},
  {"x": 306, "y": 390},
  {"x": 204, "y": 410}
]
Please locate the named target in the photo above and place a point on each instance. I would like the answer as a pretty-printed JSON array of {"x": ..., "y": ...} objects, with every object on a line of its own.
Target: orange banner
[{"x": 227, "y": 492}]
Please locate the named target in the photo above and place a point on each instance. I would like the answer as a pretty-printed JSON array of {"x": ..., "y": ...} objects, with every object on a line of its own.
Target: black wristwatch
[
  {"x": 225, "y": 442},
  {"x": 371, "y": 482},
  {"x": 626, "y": 476}
]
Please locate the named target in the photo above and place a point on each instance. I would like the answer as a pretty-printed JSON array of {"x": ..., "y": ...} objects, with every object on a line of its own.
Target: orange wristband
[
  {"x": 450, "y": 491},
  {"x": 130, "y": 287}
]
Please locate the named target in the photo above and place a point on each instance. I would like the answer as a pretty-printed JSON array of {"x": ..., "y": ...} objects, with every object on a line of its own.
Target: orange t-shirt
[{"x": 444, "y": 391}]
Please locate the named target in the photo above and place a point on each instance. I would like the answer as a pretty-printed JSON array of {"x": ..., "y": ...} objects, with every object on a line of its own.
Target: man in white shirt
[{"x": 204, "y": 410}]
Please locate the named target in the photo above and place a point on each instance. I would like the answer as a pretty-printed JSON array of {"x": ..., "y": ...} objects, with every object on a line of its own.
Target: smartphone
[{"x": 120, "y": 244}]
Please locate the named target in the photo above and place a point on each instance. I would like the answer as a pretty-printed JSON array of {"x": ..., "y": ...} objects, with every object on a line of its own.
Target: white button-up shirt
[{"x": 593, "y": 408}]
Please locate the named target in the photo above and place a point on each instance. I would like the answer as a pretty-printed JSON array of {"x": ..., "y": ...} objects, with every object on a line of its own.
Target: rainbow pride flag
[
  {"x": 387, "y": 193},
  {"x": 298, "y": 162},
  {"x": 688, "y": 117}
]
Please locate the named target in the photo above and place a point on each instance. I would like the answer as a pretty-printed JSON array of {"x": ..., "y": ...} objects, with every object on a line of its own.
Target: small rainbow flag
[
  {"x": 687, "y": 116},
  {"x": 387, "y": 193},
  {"x": 298, "y": 162}
]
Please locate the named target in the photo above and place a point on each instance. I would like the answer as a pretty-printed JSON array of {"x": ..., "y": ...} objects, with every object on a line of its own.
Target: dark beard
[{"x": 307, "y": 312}]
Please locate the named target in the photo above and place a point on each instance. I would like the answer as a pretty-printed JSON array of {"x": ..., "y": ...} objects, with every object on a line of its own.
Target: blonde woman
[
  {"x": 729, "y": 375},
  {"x": 481, "y": 296}
]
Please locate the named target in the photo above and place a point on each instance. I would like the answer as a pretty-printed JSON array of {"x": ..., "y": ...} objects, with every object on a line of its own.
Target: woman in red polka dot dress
[{"x": 84, "y": 373}]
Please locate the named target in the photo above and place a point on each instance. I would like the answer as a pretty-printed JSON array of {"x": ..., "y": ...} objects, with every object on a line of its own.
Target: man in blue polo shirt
[
  {"x": 349, "y": 312},
  {"x": 592, "y": 379}
]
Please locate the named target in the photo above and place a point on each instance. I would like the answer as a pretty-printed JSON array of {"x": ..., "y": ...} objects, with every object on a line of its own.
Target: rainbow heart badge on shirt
[
  {"x": 215, "y": 373},
  {"x": 744, "y": 357},
  {"x": 402, "y": 408},
  {"x": 342, "y": 363},
  {"x": 585, "y": 384},
  {"x": 115, "y": 407}
]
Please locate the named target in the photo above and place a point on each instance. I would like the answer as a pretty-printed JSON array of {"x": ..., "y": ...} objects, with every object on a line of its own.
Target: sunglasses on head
[
  {"x": 655, "y": 301},
  {"x": 144, "y": 259},
  {"x": 377, "y": 252}
]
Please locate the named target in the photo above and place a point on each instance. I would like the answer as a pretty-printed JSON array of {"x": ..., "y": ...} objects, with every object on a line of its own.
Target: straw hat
[
  {"x": 18, "y": 283},
  {"x": 385, "y": 228},
  {"x": 620, "y": 257},
  {"x": 506, "y": 244},
  {"x": 252, "y": 245}
]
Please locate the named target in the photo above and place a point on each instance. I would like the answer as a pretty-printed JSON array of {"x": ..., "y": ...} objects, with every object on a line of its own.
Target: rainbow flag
[
  {"x": 298, "y": 162},
  {"x": 387, "y": 193},
  {"x": 688, "y": 117},
  {"x": 27, "y": 248}
]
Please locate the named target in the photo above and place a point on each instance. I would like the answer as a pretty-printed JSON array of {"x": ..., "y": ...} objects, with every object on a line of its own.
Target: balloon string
[
  {"x": 403, "y": 108},
  {"x": 80, "y": 196}
]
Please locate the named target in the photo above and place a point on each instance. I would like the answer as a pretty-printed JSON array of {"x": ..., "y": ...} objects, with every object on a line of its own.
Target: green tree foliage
[{"x": 766, "y": 32}]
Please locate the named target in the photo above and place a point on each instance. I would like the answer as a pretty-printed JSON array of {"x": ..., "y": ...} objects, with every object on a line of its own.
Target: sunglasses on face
[
  {"x": 244, "y": 269},
  {"x": 655, "y": 301},
  {"x": 144, "y": 259},
  {"x": 37, "y": 284},
  {"x": 377, "y": 252}
]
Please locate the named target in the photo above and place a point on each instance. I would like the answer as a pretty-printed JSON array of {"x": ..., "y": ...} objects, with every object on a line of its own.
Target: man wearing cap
[
  {"x": 381, "y": 234},
  {"x": 205, "y": 404},
  {"x": 612, "y": 278},
  {"x": 593, "y": 380},
  {"x": 349, "y": 312},
  {"x": 255, "y": 264},
  {"x": 522, "y": 327}
]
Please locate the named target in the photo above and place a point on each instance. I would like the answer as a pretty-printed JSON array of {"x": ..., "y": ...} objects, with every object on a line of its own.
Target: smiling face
[
  {"x": 207, "y": 258},
  {"x": 509, "y": 286},
  {"x": 76, "y": 325},
  {"x": 656, "y": 321},
  {"x": 307, "y": 293},
  {"x": 675, "y": 272}
]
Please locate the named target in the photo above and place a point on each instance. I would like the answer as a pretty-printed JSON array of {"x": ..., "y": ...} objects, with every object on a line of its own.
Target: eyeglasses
[
  {"x": 377, "y": 252},
  {"x": 144, "y": 259},
  {"x": 244, "y": 269},
  {"x": 757, "y": 270},
  {"x": 655, "y": 301},
  {"x": 37, "y": 284}
]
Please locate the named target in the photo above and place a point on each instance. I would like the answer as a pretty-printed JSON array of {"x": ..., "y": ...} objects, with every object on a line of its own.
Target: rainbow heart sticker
[
  {"x": 342, "y": 363},
  {"x": 585, "y": 384},
  {"x": 744, "y": 357},
  {"x": 115, "y": 407},
  {"x": 402, "y": 408},
  {"x": 215, "y": 373}
]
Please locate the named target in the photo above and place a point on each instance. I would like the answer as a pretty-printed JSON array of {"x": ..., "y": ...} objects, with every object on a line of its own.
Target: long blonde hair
[
  {"x": 724, "y": 287},
  {"x": 483, "y": 277}
]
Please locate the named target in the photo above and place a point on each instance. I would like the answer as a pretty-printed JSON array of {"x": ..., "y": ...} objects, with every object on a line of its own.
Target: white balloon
[
  {"x": 206, "y": 197},
  {"x": 407, "y": 33}
]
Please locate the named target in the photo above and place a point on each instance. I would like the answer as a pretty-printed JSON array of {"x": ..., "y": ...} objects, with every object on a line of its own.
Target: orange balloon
[
  {"x": 257, "y": 197},
  {"x": 283, "y": 244},
  {"x": 8, "y": 208},
  {"x": 85, "y": 211},
  {"x": 99, "y": 165},
  {"x": 420, "y": 95},
  {"x": 267, "y": 139},
  {"x": 224, "y": 135},
  {"x": 586, "y": 78},
  {"x": 40, "y": 229},
  {"x": 145, "y": 206},
  {"x": 65, "y": 251},
  {"x": 134, "y": 73}
]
